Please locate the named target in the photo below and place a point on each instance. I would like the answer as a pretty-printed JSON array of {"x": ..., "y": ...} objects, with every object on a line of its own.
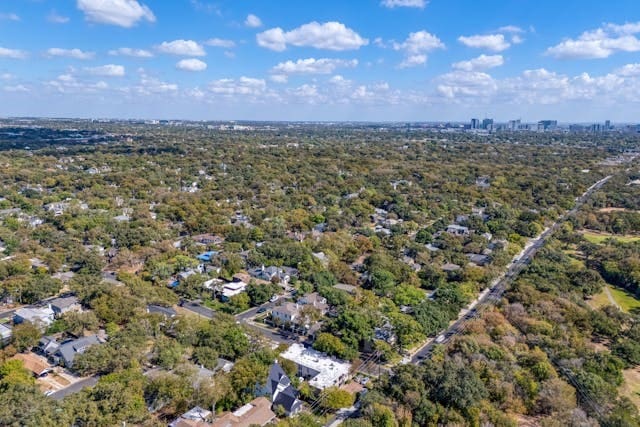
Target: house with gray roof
[
  {"x": 67, "y": 352},
  {"x": 61, "y": 306},
  {"x": 281, "y": 391}
]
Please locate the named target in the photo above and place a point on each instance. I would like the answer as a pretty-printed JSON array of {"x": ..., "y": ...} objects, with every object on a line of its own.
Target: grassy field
[
  {"x": 625, "y": 300},
  {"x": 597, "y": 238},
  {"x": 631, "y": 386}
]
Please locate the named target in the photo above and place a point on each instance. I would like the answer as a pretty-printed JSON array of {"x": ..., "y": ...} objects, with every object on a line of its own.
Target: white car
[
  {"x": 440, "y": 339},
  {"x": 274, "y": 298}
]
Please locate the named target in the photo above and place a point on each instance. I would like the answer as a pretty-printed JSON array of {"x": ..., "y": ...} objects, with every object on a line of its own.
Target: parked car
[
  {"x": 274, "y": 298},
  {"x": 261, "y": 310}
]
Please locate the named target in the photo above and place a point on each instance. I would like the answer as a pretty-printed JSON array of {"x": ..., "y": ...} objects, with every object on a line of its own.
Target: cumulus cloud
[
  {"x": 493, "y": 42},
  {"x": 181, "y": 48},
  {"x": 482, "y": 62},
  {"x": 279, "y": 78},
  {"x": 416, "y": 47},
  {"x": 404, "y": 3},
  {"x": 246, "y": 86},
  {"x": 133, "y": 53},
  {"x": 123, "y": 13},
  {"x": 465, "y": 84},
  {"x": 55, "y": 18},
  {"x": 110, "y": 70},
  {"x": 253, "y": 21},
  {"x": 69, "y": 53},
  {"x": 313, "y": 66},
  {"x": 191, "y": 65},
  {"x": 216, "y": 42},
  {"x": 5, "y": 52},
  {"x": 15, "y": 88},
  {"x": 329, "y": 35},
  {"x": 599, "y": 43}
]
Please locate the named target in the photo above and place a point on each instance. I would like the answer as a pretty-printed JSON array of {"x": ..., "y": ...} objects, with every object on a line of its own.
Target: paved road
[
  {"x": 495, "y": 292},
  {"x": 197, "y": 308},
  {"x": 74, "y": 388}
]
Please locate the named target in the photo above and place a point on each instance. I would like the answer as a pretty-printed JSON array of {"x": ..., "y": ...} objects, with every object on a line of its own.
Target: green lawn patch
[{"x": 598, "y": 238}]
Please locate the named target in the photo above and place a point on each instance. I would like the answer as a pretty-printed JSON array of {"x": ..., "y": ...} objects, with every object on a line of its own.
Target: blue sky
[{"x": 399, "y": 60}]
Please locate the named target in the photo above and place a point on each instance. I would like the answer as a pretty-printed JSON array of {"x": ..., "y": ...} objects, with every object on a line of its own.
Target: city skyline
[{"x": 389, "y": 60}]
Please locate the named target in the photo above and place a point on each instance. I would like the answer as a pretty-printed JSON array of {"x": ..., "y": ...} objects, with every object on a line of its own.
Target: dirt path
[{"x": 611, "y": 300}]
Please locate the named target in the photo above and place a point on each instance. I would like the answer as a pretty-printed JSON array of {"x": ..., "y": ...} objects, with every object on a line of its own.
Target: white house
[
  {"x": 41, "y": 317},
  {"x": 321, "y": 370}
]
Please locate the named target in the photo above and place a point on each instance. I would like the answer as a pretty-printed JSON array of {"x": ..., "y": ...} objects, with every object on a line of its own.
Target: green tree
[{"x": 25, "y": 336}]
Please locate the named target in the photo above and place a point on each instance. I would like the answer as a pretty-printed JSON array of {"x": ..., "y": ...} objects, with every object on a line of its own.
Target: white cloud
[
  {"x": 511, "y": 29},
  {"x": 68, "y": 83},
  {"x": 15, "y": 88},
  {"x": 629, "y": 70},
  {"x": 191, "y": 65},
  {"x": 181, "y": 48},
  {"x": 6, "y": 76},
  {"x": 493, "y": 42},
  {"x": 404, "y": 3},
  {"x": 599, "y": 43},
  {"x": 279, "y": 78},
  {"x": 338, "y": 80},
  {"x": 330, "y": 35},
  {"x": 110, "y": 70},
  {"x": 516, "y": 39},
  {"x": 413, "y": 61},
  {"x": 416, "y": 47},
  {"x": 69, "y": 53},
  {"x": 151, "y": 85},
  {"x": 243, "y": 86},
  {"x": 215, "y": 42},
  {"x": 313, "y": 66},
  {"x": 9, "y": 17},
  {"x": 482, "y": 62},
  {"x": 123, "y": 13},
  {"x": 253, "y": 21},
  {"x": 12, "y": 53},
  {"x": 465, "y": 84},
  {"x": 54, "y": 18},
  {"x": 133, "y": 53}
]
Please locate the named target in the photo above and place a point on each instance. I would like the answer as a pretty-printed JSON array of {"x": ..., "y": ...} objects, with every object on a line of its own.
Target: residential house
[
  {"x": 195, "y": 417},
  {"x": 32, "y": 362},
  {"x": 47, "y": 346},
  {"x": 67, "y": 352},
  {"x": 483, "y": 182},
  {"x": 255, "y": 413},
  {"x": 450, "y": 268},
  {"x": 64, "y": 305},
  {"x": 5, "y": 334},
  {"x": 458, "y": 230},
  {"x": 272, "y": 273},
  {"x": 232, "y": 289},
  {"x": 207, "y": 239},
  {"x": 282, "y": 393},
  {"x": 321, "y": 370},
  {"x": 285, "y": 313},
  {"x": 386, "y": 333},
  {"x": 41, "y": 317},
  {"x": 207, "y": 256},
  {"x": 314, "y": 299},
  {"x": 479, "y": 260}
]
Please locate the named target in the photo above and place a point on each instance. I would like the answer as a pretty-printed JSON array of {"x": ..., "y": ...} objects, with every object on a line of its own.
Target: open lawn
[
  {"x": 625, "y": 300},
  {"x": 597, "y": 237},
  {"x": 631, "y": 386}
]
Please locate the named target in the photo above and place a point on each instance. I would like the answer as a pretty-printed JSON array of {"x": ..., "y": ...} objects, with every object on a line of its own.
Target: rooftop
[{"x": 330, "y": 371}]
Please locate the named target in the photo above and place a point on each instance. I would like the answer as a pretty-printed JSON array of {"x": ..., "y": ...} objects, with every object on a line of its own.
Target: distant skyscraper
[
  {"x": 607, "y": 125},
  {"x": 487, "y": 124},
  {"x": 514, "y": 125},
  {"x": 475, "y": 123},
  {"x": 547, "y": 125}
]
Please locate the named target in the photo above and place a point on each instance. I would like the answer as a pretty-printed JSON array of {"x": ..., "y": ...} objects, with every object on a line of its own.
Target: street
[
  {"x": 74, "y": 388},
  {"x": 499, "y": 286}
]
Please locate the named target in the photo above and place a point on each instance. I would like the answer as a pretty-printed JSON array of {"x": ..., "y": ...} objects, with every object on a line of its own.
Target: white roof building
[
  {"x": 321, "y": 370},
  {"x": 5, "y": 333},
  {"x": 39, "y": 316},
  {"x": 232, "y": 289}
]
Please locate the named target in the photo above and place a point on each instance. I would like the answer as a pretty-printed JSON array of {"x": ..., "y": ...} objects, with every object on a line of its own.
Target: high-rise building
[
  {"x": 514, "y": 125},
  {"x": 607, "y": 125},
  {"x": 487, "y": 124},
  {"x": 547, "y": 125},
  {"x": 475, "y": 124}
]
